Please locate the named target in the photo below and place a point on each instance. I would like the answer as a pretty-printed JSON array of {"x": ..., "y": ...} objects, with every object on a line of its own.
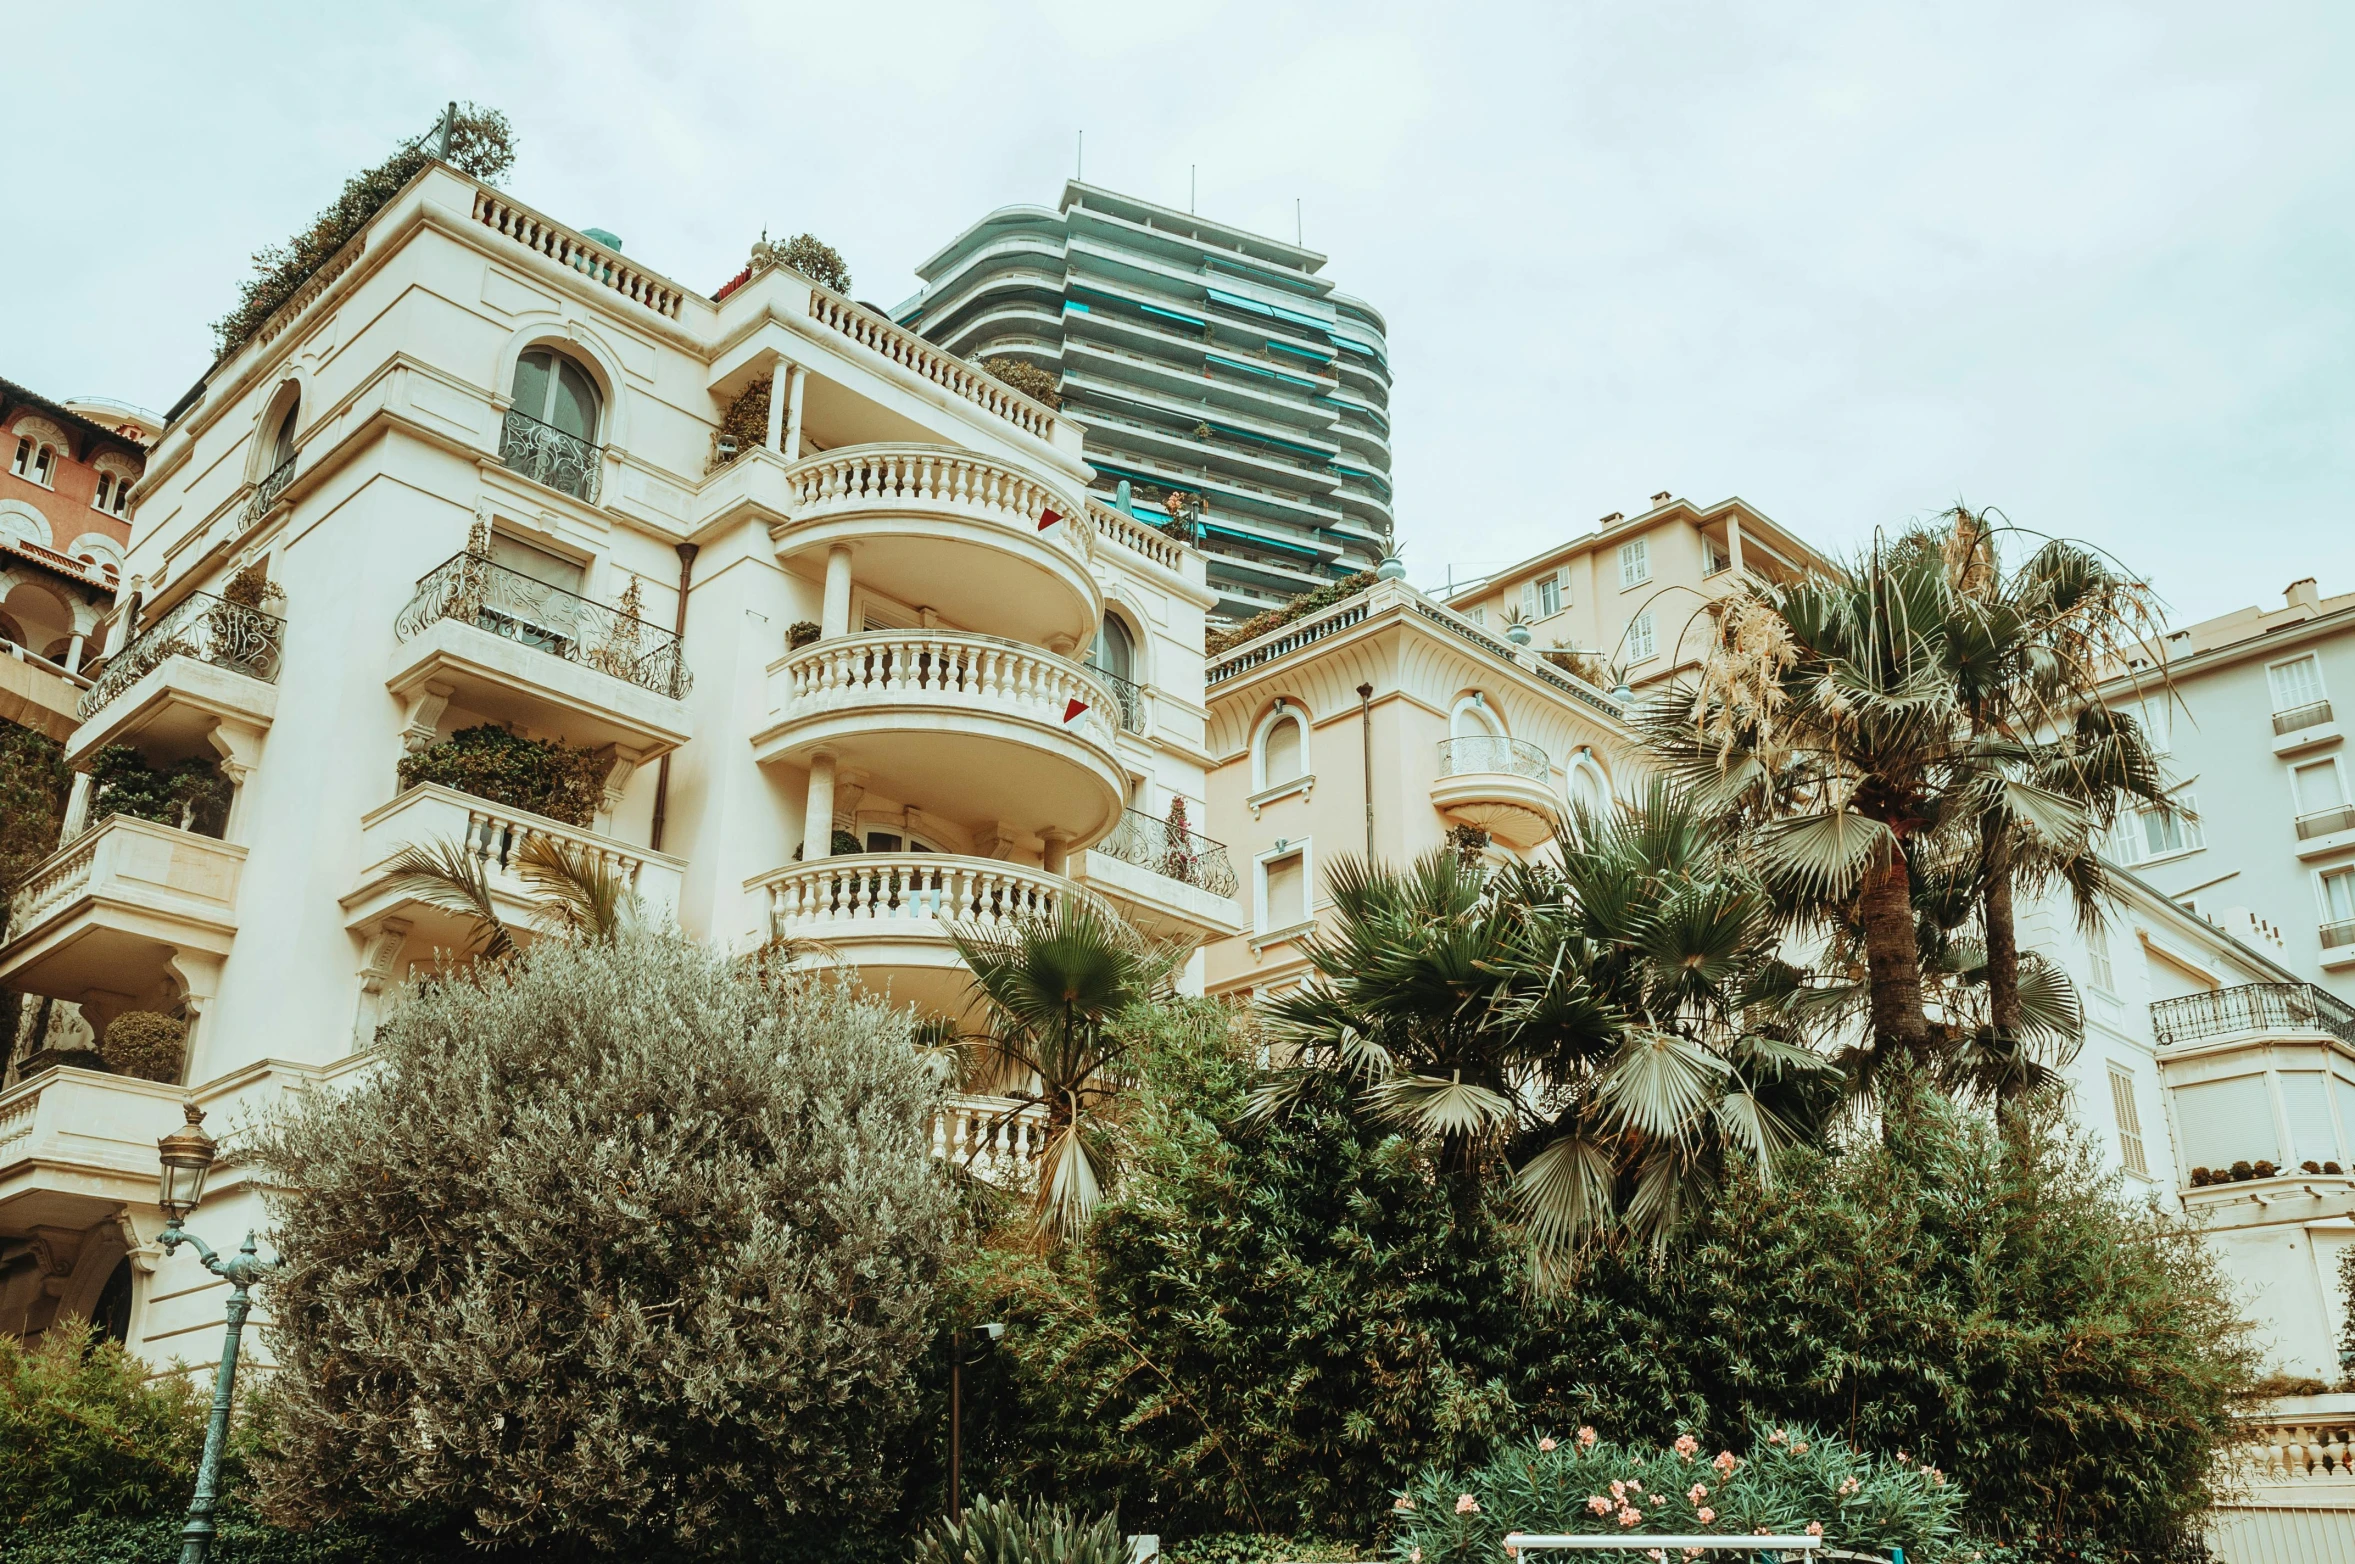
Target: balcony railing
[
  {"x": 472, "y": 590},
  {"x": 2252, "y": 1007},
  {"x": 546, "y": 454},
  {"x": 2324, "y": 822},
  {"x": 266, "y": 492},
  {"x": 1489, "y": 752},
  {"x": 208, "y": 628},
  {"x": 2340, "y": 933},
  {"x": 952, "y": 668},
  {"x": 1170, "y": 851},
  {"x": 2312, "y": 714},
  {"x": 1129, "y": 697}
]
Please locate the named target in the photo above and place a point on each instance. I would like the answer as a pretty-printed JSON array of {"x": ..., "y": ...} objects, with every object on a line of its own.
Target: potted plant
[{"x": 1517, "y": 628}]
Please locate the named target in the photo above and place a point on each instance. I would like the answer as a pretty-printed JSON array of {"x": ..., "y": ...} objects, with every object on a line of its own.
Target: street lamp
[
  {"x": 187, "y": 1156},
  {"x": 991, "y": 1335}
]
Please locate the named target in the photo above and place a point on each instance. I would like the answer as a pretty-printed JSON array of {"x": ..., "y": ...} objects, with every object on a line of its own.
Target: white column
[
  {"x": 1057, "y": 854},
  {"x": 817, "y": 828},
  {"x": 776, "y": 436},
  {"x": 77, "y": 808},
  {"x": 797, "y": 381},
  {"x": 1733, "y": 540},
  {"x": 73, "y": 654},
  {"x": 834, "y": 618}
]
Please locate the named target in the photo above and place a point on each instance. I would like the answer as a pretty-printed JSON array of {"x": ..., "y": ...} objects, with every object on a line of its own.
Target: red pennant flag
[
  {"x": 1072, "y": 709},
  {"x": 1047, "y": 519}
]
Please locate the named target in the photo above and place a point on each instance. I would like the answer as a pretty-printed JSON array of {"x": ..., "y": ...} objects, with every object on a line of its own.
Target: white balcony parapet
[
  {"x": 921, "y": 358},
  {"x": 2302, "y": 1439},
  {"x": 129, "y": 908},
  {"x": 496, "y": 835},
  {"x": 1137, "y": 538},
  {"x": 577, "y": 251},
  {"x": 913, "y": 668},
  {"x": 927, "y": 477},
  {"x": 918, "y": 893},
  {"x": 997, "y": 1138}
]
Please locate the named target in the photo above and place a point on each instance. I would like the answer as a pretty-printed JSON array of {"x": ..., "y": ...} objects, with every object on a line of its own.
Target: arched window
[
  {"x": 1473, "y": 717},
  {"x": 1282, "y": 751},
  {"x": 23, "y": 464},
  {"x": 1588, "y": 787},
  {"x": 105, "y": 482},
  {"x": 282, "y": 447},
  {"x": 555, "y": 391},
  {"x": 1116, "y": 649}
]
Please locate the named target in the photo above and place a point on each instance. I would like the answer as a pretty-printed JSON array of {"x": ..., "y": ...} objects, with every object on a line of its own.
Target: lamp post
[
  {"x": 991, "y": 1334},
  {"x": 187, "y": 1156}
]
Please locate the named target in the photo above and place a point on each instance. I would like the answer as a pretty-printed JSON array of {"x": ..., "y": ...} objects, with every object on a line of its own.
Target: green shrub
[
  {"x": 1792, "y": 1480},
  {"x": 1250, "y": 1547},
  {"x": 1005, "y": 1532},
  {"x": 653, "y": 1274},
  {"x": 189, "y": 794},
  {"x": 1306, "y": 603},
  {"x": 86, "y": 1433},
  {"x": 239, "y": 1537},
  {"x": 1040, "y": 385},
  {"x": 817, "y": 260},
  {"x": 34, "y": 786},
  {"x": 557, "y": 780},
  {"x": 145, "y": 1044},
  {"x": 482, "y": 144}
]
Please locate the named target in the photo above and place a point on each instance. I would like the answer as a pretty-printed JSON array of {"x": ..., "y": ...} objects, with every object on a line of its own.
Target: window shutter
[
  {"x": 2194, "y": 834},
  {"x": 2129, "y": 1121},
  {"x": 2296, "y": 684},
  {"x": 1529, "y": 600}
]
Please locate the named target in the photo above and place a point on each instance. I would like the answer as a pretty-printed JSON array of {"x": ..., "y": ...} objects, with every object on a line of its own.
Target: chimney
[
  {"x": 1611, "y": 520},
  {"x": 1661, "y": 498},
  {"x": 2303, "y": 594}
]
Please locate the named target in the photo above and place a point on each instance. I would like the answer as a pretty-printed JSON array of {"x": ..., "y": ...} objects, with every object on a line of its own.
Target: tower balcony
[
  {"x": 979, "y": 540},
  {"x": 494, "y": 641},
  {"x": 1504, "y": 786},
  {"x": 888, "y": 915},
  {"x": 131, "y": 915},
  {"x": 967, "y": 727}
]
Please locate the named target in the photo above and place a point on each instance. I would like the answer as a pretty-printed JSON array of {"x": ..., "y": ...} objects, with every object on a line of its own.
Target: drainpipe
[
  {"x": 1365, "y": 725},
  {"x": 662, "y": 770}
]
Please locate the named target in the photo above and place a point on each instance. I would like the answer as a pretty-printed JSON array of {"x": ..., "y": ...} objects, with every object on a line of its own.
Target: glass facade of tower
[{"x": 1214, "y": 370}]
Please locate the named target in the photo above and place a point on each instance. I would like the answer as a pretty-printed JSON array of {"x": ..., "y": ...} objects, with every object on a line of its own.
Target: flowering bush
[{"x": 1792, "y": 1481}]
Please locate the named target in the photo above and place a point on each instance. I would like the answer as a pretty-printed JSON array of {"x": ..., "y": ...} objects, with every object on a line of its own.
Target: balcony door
[
  {"x": 535, "y": 596},
  {"x": 556, "y": 392}
]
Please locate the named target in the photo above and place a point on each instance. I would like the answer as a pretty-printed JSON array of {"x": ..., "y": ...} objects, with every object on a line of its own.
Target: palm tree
[
  {"x": 1048, "y": 991},
  {"x": 1613, "y": 1032},
  {"x": 1825, "y": 729},
  {"x": 579, "y": 896}
]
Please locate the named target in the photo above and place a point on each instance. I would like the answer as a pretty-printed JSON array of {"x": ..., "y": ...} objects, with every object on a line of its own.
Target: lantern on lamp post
[{"x": 187, "y": 1156}]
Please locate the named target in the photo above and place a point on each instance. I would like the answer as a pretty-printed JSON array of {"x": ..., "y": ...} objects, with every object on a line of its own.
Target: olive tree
[{"x": 622, "y": 1246}]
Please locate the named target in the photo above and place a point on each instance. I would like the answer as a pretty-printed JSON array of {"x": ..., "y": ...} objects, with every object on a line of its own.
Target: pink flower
[
  {"x": 1848, "y": 1485},
  {"x": 1512, "y": 1553},
  {"x": 1599, "y": 1504},
  {"x": 1545, "y": 1444},
  {"x": 1902, "y": 1458},
  {"x": 1705, "y": 1514},
  {"x": 1686, "y": 1445},
  {"x": 1815, "y": 1528},
  {"x": 1799, "y": 1447},
  {"x": 1629, "y": 1515},
  {"x": 1586, "y": 1437},
  {"x": 1633, "y": 1486},
  {"x": 1404, "y": 1503},
  {"x": 1763, "y": 1531},
  {"x": 1415, "y": 1556},
  {"x": 1725, "y": 1463},
  {"x": 1692, "y": 1553},
  {"x": 1467, "y": 1505},
  {"x": 1777, "y": 1437},
  {"x": 1618, "y": 1489},
  {"x": 1695, "y": 1494},
  {"x": 1656, "y": 1556}
]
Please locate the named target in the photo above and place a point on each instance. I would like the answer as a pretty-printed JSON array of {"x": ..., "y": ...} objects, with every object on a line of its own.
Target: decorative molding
[{"x": 1302, "y": 784}]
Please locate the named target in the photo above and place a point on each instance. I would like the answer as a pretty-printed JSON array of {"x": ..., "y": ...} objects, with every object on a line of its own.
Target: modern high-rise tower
[{"x": 1203, "y": 361}]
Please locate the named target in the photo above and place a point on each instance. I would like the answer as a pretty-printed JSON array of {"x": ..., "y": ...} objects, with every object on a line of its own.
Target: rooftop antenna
[
  {"x": 1190, "y": 168},
  {"x": 449, "y": 124},
  {"x": 1079, "y": 165},
  {"x": 1297, "y": 242}
]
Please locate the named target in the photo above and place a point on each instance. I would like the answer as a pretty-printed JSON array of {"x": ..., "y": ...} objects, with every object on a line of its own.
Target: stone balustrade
[
  {"x": 997, "y": 1138},
  {"x": 498, "y": 836},
  {"x": 917, "y": 894},
  {"x": 2303, "y": 1439},
  {"x": 578, "y": 252},
  {"x": 945, "y": 370},
  {"x": 942, "y": 668},
  {"x": 936, "y": 478},
  {"x": 1138, "y": 538}
]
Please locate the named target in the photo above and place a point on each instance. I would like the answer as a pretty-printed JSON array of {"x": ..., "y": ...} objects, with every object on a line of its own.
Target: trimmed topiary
[
  {"x": 2242, "y": 1172},
  {"x": 145, "y": 1044}
]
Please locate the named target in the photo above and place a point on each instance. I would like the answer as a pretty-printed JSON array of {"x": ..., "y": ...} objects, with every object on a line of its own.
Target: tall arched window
[
  {"x": 551, "y": 428},
  {"x": 1116, "y": 649},
  {"x": 282, "y": 448},
  {"x": 557, "y": 392},
  {"x": 105, "y": 482},
  {"x": 1281, "y": 754}
]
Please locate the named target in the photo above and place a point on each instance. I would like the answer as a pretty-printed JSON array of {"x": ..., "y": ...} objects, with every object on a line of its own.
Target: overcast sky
[{"x": 2087, "y": 263}]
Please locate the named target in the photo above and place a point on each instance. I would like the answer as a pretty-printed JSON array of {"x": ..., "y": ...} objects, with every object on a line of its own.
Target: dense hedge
[
  {"x": 189, "y": 794},
  {"x": 557, "y": 780}
]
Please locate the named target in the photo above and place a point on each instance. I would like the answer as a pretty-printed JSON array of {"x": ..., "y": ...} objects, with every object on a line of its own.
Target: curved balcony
[
  {"x": 889, "y": 915},
  {"x": 1504, "y": 786},
  {"x": 980, "y": 541},
  {"x": 964, "y": 726}
]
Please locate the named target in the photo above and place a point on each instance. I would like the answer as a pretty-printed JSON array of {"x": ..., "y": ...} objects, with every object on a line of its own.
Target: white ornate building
[{"x": 838, "y": 679}]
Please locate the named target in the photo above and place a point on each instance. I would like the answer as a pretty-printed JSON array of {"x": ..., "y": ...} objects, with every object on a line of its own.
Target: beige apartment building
[
  {"x": 882, "y": 667},
  {"x": 1378, "y": 726},
  {"x": 1623, "y": 595}
]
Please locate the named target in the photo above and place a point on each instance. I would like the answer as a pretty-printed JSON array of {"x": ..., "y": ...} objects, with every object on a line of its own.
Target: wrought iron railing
[
  {"x": 472, "y": 590},
  {"x": 2312, "y": 714},
  {"x": 1491, "y": 752},
  {"x": 546, "y": 454},
  {"x": 266, "y": 492},
  {"x": 208, "y": 628},
  {"x": 1130, "y": 696},
  {"x": 2252, "y": 1007},
  {"x": 2323, "y": 822},
  {"x": 1171, "y": 851}
]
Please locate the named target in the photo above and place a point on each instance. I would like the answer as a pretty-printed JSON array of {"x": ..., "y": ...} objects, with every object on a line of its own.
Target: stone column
[
  {"x": 796, "y": 381},
  {"x": 77, "y": 808},
  {"x": 817, "y": 828},
  {"x": 779, "y": 371},
  {"x": 834, "y": 619},
  {"x": 1733, "y": 540},
  {"x": 73, "y": 654},
  {"x": 1057, "y": 849}
]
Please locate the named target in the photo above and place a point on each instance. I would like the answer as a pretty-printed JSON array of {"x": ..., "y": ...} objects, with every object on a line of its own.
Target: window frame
[
  {"x": 1650, "y": 639},
  {"x": 559, "y": 361},
  {"x": 1300, "y": 847},
  {"x": 2273, "y": 691},
  {"x": 1292, "y": 712},
  {"x": 2126, "y": 1119},
  {"x": 1635, "y": 563}
]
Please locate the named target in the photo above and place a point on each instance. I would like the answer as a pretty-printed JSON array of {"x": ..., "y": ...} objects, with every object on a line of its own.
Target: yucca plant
[{"x": 1002, "y": 1531}]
